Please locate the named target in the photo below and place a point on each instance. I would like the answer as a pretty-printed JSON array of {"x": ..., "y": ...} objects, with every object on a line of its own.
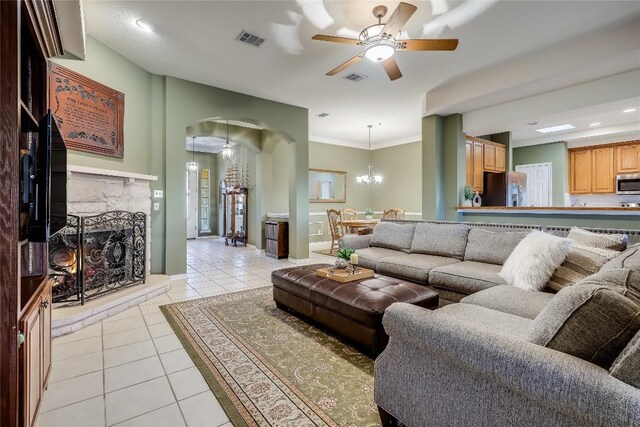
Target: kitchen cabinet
[
  {"x": 501, "y": 159},
  {"x": 478, "y": 166},
  {"x": 628, "y": 158},
  {"x": 580, "y": 172},
  {"x": 602, "y": 170},
  {"x": 35, "y": 329},
  {"x": 489, "y": 157},
  {"x": 469, "y": 162}
]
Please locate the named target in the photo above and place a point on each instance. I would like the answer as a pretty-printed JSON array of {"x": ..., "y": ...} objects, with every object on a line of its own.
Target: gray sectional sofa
[{"x": 473, "y": 361}]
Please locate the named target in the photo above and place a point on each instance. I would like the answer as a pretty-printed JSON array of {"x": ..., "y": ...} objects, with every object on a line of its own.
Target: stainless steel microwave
[{"x": 628, "y": 183}]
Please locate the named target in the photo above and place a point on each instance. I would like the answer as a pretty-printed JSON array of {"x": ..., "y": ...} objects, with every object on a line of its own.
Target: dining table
[{"x": 353, "y": 225}]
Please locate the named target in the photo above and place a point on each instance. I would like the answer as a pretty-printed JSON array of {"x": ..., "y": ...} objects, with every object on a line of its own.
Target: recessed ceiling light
[
  {"x": 629, "y": 110},
  {"x": 144, "y": 26},
  {"x": 555, "y": 128},
  {"x": 595, "y": 124},
  {"x": 323, "y": 115}
]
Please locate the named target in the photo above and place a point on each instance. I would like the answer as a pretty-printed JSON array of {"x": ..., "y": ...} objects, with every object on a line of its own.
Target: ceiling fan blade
[
  {"x": 428, "y": 44},
  {"x": 399, "y": 17},
  {"x": 345, "y": 65},
  {"x": 335, "y": 39},
  {"x": 391, "y": 67}
]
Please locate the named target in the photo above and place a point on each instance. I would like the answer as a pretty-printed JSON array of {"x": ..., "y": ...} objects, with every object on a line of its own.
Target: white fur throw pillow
[{"x": 534, "y": 260}]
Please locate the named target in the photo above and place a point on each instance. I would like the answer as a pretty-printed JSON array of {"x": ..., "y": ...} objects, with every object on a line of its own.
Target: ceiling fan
[{"x": 380, "y": 41}]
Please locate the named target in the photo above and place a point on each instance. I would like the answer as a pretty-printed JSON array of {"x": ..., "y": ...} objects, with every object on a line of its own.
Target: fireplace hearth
[{"x": 96, "y": 255}]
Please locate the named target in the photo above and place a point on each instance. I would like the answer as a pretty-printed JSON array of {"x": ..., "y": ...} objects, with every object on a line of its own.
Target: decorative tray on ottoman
[{"x": 342, "y": 275}]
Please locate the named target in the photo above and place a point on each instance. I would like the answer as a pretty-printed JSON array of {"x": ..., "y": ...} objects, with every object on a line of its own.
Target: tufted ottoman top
[{"x": 362, "y": 300}]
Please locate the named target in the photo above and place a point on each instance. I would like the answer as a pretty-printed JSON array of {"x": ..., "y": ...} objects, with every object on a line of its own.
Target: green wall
[
  {"x": 401, "y": 170},
  {"x": 557, "y": 154}
]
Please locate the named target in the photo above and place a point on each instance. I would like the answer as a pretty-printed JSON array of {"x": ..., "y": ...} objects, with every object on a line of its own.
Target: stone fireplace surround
[{"x": 92, "y": 191}]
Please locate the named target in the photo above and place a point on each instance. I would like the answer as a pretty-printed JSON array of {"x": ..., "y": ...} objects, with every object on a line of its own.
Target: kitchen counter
[{"x": 551, "y": 210}]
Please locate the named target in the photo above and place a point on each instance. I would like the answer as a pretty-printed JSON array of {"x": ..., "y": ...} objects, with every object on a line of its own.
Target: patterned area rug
[
  {"x": 326, "y": 252},
  {"x": 269, "y": 368}
]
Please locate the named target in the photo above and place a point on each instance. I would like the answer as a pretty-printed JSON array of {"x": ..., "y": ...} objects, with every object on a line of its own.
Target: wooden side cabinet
[
  {"x": 276, "y": 239},
  {"x": 35, "y": 355},
  {"x": 603, "y": 170},
  {"x": 628, "y": 158},
  {"x": 580, "y": 172}
]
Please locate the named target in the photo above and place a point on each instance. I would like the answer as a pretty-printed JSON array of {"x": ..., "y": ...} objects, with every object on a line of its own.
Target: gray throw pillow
[
  {"x": 622, "y": 280},
  {"x": 392, "y": 236},
  {"x": 492, "y": 247},
  {"x": 593, "y": 323},
  {"x": 604, "y": 244},
  {"x": 627, "y": 366},
  {"x": 577, "y": 265},
  {"x": 448, "y": 240},
  {"x": 630, "y": 258}
]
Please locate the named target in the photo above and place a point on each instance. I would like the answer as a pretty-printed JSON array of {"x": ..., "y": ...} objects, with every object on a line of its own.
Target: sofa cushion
[
  {"x": 630, "y": 258},
  {"x": 492, "y": 247},
  {"x": 627, "y": 366},
  {"x": 622, "y": 280},
  {"x": 413, "y": 267},
  {"x": 511, "y": 300},
  {"x": 534, "y": 259},
  {"x": 368, "y": 257},
  {"x": 607, "y": 245},
  {"x": 447, "y": 240},
  {"x": 466, "y": 277},
  {"x": 578, "y": 265},
  {"x": 593, "y": 323},
  {"x": 392, "y": 236},
  {"x": 492, "y": 320}
]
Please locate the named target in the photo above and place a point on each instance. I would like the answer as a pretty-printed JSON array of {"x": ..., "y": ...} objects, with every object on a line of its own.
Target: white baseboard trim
[
  {"x": 213, "y": 236},
  {"x": 178, "y": 276}
]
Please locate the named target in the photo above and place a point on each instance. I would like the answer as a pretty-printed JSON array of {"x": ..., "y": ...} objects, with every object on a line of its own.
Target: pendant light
[
  {"x": 192, "y": 166},
  {"x": 370, "y": 177},
  {"x": 227, "y": 150}
]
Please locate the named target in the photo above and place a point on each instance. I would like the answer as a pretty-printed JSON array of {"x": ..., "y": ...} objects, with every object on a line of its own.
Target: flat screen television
[{"x": 48, "y": 204}]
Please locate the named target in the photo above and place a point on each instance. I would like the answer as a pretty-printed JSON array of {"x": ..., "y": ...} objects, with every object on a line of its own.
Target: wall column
[
  {"x": 299, "y": 200},
  {"x": 432, "y": 167},
  {"x": 454, "y": 171}
]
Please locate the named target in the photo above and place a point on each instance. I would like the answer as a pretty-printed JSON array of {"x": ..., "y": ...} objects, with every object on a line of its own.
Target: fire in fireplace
[{"x": 95, "y": 255}]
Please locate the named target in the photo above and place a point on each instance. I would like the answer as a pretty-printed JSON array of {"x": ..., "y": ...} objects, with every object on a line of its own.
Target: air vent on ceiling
[
  {"x": 323, "y": 115},
  {"x": 249, "y": 38},
  {"x": 355, "y": 77}
]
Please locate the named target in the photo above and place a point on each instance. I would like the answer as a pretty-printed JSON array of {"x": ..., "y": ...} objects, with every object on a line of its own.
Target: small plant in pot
[
  {"x": 468, "y": 195},
  {"x": 368, "y": 213},
  {"x": 343, "y": 257}
]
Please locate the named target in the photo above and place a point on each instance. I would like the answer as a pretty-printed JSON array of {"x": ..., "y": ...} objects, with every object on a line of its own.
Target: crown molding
[{"x": 395, "y": 142}]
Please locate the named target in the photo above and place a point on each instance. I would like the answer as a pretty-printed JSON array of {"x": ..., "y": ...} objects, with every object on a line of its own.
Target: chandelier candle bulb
[{"x": 354, "y": 259}]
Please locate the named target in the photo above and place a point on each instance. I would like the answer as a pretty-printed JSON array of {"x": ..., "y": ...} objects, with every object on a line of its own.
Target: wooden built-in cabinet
[
  {"x": 593, "y": 170},
  {"x": 628, "y": 158},
  {"x": 483, "y": 156}
]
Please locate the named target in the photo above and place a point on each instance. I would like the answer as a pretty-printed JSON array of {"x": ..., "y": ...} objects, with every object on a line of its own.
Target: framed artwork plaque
[{"x": 90, "y": 115}]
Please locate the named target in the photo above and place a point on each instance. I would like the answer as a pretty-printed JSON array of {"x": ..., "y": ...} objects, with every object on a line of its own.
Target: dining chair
[
  {"x": 348, "y": 213},
  {"x": 335, "y": 228},
  {"x": 395, "y": 213}
]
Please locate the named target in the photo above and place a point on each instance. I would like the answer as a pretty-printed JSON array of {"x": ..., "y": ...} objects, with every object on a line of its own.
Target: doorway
[
  {"x": 539, "y": 182},
  {"x": 192, "y": 204}
]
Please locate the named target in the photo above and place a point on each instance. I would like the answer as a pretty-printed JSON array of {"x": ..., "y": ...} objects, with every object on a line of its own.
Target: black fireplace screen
[{"x": 94, "y": 255}]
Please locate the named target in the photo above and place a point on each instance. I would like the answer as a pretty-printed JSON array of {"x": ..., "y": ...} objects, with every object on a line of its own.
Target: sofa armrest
[
  {"x": 354, "y": 242},
  {"x": 554, "y": 381}
]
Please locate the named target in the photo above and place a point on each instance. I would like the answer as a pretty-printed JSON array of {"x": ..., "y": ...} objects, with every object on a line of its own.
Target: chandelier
[
  {"x": 227, "y": 150},
  {"x": 192, "y": 166},
  {"x": 370, "y": 177}
]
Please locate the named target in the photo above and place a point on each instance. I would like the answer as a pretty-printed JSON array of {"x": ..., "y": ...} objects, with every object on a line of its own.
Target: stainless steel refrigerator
[{"x": 505, "y": 189}]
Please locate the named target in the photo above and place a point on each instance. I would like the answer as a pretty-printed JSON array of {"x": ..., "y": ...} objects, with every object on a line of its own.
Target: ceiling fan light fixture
[{"x": 380, "y": 50}]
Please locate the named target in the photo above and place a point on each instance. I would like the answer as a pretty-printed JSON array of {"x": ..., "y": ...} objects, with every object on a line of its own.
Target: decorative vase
[
  {"x": 341, "y": 263},
  {"x": 368, "y": 217},
  {"x": 477, "y": 201},
  {"x": 466, "y": 203}
]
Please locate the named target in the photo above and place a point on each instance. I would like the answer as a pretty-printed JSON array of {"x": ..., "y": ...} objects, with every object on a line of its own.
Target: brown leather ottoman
[{"x": 352, "y": 309}]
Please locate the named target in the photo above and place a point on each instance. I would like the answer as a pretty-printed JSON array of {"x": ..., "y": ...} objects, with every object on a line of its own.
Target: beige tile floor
[{"x": 131, "y": 370}]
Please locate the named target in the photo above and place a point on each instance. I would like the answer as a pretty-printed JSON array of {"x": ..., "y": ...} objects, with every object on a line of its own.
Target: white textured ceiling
[{"x": 196, "y": 41}]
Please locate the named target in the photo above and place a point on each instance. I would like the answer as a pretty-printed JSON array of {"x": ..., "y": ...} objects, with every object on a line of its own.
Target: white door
[
  {"x": 192, "y": 204},
  {"x": 538, "y": 183}
]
